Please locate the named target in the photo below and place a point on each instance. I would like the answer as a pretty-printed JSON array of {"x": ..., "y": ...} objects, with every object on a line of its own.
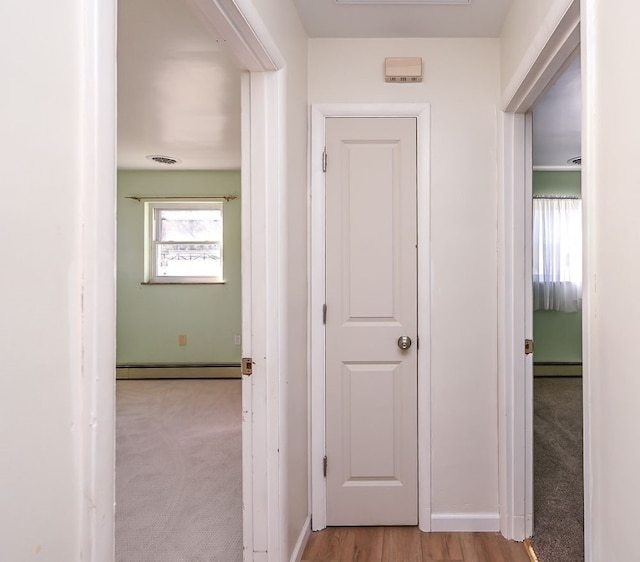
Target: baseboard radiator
[
  {"x": 179, "y": 371},
  {"x": 557, "y": 369}
]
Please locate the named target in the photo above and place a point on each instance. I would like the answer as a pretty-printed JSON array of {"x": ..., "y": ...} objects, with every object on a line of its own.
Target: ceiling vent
[
  {"x": 576, "y": 160},
  {"x": 166, "y": 160}
]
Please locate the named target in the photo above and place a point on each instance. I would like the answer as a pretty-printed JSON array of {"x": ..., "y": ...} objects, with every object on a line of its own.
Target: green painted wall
[
  {"x": 150, "y": 317},
  {"x": 557, "y": 335},
  {"x": 556, "y": 183}
]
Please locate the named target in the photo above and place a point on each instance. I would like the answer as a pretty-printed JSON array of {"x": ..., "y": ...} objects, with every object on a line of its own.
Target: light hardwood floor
[{"x": 408, "y": 544}]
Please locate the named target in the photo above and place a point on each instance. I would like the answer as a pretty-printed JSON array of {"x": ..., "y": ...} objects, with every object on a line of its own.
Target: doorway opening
[
  {"x": 264, "y": 523},
  {"x": 559, "y": 41},
  {"x": 558, "y": 485},
  {"x": 179, "y": 287}
]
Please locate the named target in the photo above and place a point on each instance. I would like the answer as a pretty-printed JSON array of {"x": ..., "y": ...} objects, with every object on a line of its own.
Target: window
[
  {"x": 557, "y": 254},
  {"x": 184, "y": 242}
]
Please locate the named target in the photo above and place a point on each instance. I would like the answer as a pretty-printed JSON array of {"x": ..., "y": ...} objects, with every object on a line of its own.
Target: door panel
[{"x": 371, "y": 405}]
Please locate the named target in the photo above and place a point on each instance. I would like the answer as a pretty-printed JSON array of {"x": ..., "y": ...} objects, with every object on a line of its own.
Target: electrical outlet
[
  {"x": 182, "y": 339},
  {"x": 237, "y": 340}
]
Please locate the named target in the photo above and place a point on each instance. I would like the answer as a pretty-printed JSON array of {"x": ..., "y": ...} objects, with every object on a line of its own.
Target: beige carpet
[
  {"x": 558, "y": 486},
  {"x": 178, "y": 471}
]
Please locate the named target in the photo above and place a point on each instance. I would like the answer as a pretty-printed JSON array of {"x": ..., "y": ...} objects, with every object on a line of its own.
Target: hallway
[{"x": 409, "y": 544}]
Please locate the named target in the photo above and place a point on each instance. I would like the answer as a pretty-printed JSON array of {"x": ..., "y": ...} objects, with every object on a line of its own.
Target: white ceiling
[
  {"x": 179, "y": 91},
  {"x": 402, "y": 18},
  {"x": 557, "y": 121}
]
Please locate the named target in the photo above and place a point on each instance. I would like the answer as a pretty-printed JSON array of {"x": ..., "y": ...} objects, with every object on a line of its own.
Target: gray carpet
[
  {"x": 178, "y": 471},
  {"x": 558, "y": 477}
]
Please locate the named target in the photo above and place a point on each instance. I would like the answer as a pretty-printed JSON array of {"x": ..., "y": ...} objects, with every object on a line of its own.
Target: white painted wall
[
  {"x": 462, "y": 85},
  {"x": 49, "y": 295},
  {"x": 281, "y": 19},
  {"x": 610, "y": 53}
]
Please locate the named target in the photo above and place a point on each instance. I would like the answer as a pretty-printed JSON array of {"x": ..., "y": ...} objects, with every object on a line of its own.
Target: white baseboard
[
  {"x": 519, "y": 528},
  {"x": 465, "y": 522},
  {"x": 301, "y": 543}
]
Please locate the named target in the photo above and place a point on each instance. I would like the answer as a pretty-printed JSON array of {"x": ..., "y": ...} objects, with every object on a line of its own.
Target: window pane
[
  {"x": 189, "y": 260},
  {"x": 189, "y": 225}
]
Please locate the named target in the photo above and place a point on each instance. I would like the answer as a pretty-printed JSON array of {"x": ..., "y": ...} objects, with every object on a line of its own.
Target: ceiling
[
  {"x": 402, "y": 18},
  {"x": 179, "y": 91},
  {"x": 557, "y": 120}
]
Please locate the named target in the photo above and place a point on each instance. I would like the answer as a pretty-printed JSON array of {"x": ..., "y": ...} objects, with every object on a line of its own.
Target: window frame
[{"x": 151, "y": 242}]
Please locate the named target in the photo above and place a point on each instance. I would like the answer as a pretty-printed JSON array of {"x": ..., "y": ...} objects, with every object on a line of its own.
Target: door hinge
[
  {"x": 528, "y": 347},
  {"x": 324, "y": 159},
  {"x": 247, "y": 366},
  {"x": 324, "y": 466},
  {"x": 324, "y": 313}
]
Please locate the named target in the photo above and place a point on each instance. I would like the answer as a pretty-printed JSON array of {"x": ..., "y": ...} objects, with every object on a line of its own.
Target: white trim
[
  {"x": 465, "y": 522},
  {"x": 527, "y": 263},
  {"x": 153, "y": 233},
  {"x": 239, "y": 25},
  {"x": 590, "y": 62},
  {"x": 567, "y": 168},
  {"x": 424, "y": 317},
  {"x": 511, "y": 330},
  {"x": 317, "y": 297},
  {"x": 301, "y": 543},
  {"x": 97, "y": 210},
  {"x": 317, "y": 277},
  {"x": 557, "y": 40},
  {"x": 553, "y": 46},
  {"x": 277, "y": 210},
  {"x": 264, "y": 413},
  {"x": 247, "y": 306}
]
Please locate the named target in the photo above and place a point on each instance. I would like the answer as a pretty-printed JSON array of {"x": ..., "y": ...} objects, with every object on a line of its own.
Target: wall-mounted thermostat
[{"x": 403, "y": 69}]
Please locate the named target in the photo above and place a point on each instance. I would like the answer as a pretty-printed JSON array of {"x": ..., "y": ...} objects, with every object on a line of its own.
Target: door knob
[{"x": 404, "y": 342}]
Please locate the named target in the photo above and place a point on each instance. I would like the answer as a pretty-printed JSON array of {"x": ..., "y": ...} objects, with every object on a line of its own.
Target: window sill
[{"x": 160, "y": 283}]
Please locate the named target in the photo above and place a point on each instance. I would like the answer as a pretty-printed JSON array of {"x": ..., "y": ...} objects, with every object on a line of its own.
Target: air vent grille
[{"x": 165, "y": 160}]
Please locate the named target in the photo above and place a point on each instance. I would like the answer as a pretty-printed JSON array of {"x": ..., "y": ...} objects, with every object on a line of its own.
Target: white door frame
[
  {"x": 319, "y": 113},
  {"x": 556, "y": 42},
  {"x": 263, "y": 265}
]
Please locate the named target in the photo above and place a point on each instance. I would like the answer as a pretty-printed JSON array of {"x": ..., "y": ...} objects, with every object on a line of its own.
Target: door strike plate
[
  {"x": 247, "y": 366},
  {"x": 528, "y": 347}
]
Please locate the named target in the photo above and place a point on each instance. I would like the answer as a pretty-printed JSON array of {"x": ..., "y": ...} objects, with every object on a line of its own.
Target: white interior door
[{"x": 371, "y": 297}]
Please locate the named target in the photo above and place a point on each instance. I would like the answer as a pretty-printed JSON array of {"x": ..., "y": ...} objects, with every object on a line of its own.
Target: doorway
[
  {"x": 558, "y": 485},
  {"x": 264, "y": 531},
  {"x": 319, "y": 295},
  {"x": 178, "y": 323},
  {"x": 516, "y": 368}
]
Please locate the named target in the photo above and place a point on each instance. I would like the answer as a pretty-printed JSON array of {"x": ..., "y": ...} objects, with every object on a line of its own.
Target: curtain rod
[
  {"x": 195, "y": 197},
  {"x": 557, "y": 197}
]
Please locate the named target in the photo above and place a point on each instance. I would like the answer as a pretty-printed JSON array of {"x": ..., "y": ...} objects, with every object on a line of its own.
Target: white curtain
[{"x": 557, "y": 254}]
